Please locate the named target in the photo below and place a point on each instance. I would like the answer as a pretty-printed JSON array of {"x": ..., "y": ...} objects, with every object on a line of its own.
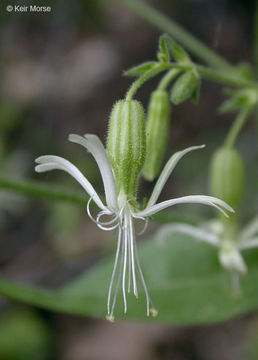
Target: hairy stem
[
  {"x": 146, "y": 76},
  {"x": 167, "y": 79}
]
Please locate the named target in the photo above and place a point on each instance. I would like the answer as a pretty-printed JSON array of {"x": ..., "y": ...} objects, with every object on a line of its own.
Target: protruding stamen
[
  {"x": 114, "y": 270},
  {"x": 118, "y": 280},
  {"x": 131, "y": 242},
  {"x": 125, "y": 262}
]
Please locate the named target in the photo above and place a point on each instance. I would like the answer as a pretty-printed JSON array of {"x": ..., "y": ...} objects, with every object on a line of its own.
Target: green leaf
[
  {"x": 163, "y": 53},
  {"x": 184, "y": 278},
  {"x": 140, "y": 69},
  {"x": 177, "y": 51}
]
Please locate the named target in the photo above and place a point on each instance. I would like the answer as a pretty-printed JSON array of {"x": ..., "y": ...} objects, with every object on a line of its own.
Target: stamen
[
  {"x": 132, "y": 240},
  {"x": 117, "y": 282},
  {"x": 114, "y": 270},
  {"x": 139, "y": 270},
  {"x": 129, "y": 263},
  {"x": 125, "y": 261}
]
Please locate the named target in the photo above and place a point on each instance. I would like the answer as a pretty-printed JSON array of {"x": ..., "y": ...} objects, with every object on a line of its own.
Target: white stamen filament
[
  {"x": 132, "y": 241},
  {"x": 114, "y": 270}
]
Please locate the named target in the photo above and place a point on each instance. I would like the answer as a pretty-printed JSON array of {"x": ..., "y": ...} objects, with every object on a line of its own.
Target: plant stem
[
  {"x": 167, "y": 79},
  {"x": 42, "y": 191},
  {"x": 163, "y": 23},
  {"x": 236, "y": 126},
  {"x": 146, "y": 76},
  {"x": 256, "y": 37},
  {"x": 220, "y": 76}
]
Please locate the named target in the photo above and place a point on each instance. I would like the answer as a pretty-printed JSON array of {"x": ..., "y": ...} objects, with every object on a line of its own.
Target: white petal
[
  {"x": 248, "y": 244},
  {"x": 96, "y": 148},
  {"x": 51, "y": 162},
  {"x": 192, "y": 199},
  {"x": 231, "y": 259},
  {"x": 193, "y": 231},
  {"x": 166, "y": 172},
  {"x": 250, "y": 230}
]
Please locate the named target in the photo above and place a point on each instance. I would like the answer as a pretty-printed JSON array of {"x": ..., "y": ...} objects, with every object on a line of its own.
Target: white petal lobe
[
  {"x": 192, "y": 199},
  {"x": 166, "y": 172},
  {"x": 51, "y": 162},
  {"x": 95, "y": 147}
]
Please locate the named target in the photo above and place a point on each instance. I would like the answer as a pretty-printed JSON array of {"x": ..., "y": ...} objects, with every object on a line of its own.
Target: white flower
[
  {"x": 123, "y": 211},
  {"x": 213, "y": 233}
]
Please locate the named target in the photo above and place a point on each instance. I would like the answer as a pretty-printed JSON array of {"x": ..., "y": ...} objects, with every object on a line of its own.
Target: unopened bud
[
  {"x": 126, "y": 144},
  {"x": 184, "y": 87},
  {"x": 227, "y": 176},
  {"x": 157, "y": 130}
]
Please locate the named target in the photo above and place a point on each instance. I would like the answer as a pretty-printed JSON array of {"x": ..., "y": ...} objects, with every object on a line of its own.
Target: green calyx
[
  {"x": 126, "y": 144},
  {"x": 227, "y": 176},
  {"x": 157, "y": 131}
]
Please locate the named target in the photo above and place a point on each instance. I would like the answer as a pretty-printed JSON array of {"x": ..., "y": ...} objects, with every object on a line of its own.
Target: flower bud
[
  {"x": 126, "y": 144},
  {"x": 227, "y": 175},
  {"x": 184, "y": 87},
  {"x": 157, "y": 130}
]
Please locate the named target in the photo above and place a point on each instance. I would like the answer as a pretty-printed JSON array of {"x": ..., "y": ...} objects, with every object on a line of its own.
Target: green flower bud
[
  {"x": 227, "y": 176},
  {"x": 157, "y": 130},
  {"x": 184, "y": 87},
  {"x": 126, "y": 144}
]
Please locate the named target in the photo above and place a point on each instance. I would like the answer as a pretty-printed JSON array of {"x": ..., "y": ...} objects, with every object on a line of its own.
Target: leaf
[
  {"x": 184, "y": 279},
  {"x": 163, "y": 53},
  {"x": 140, "y": 69},
  {"x": 177, "y": 51}
]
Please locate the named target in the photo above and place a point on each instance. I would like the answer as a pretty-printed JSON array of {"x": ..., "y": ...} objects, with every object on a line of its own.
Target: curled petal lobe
[{"x": 51, "y": 162}]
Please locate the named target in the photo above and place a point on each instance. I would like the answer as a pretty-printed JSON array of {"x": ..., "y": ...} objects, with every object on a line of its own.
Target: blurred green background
[{"x": 61, "y": 72}]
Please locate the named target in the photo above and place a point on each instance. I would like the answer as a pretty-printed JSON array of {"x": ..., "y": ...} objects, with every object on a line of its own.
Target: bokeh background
[{"x": 61, "y": 72}]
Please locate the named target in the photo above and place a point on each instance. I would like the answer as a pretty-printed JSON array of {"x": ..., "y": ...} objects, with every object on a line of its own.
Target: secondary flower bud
[
  {"x": 126, "y": 144},
  {"x": 227, "y": 175},
  {"x": 157, "y": 130},
  {"x": 184, "y": 87}
]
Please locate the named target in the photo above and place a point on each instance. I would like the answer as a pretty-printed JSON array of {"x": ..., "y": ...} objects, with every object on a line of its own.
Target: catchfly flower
[
  {"x": 123, "y": 209},
  {"x": 215, "y": 233}
]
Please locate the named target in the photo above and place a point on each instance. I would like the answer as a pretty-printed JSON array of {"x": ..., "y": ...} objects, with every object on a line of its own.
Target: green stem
[
  {"x": 167, "y": 79},
  {"x": 256, "y": 37},
  {"x": 237, "y": 126},
  {"x": 146, "y": 76},
  {"x": 220, "y": 76},
  {"x": 42, "y": 191},
  {"x": 185, "y": 38}
]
